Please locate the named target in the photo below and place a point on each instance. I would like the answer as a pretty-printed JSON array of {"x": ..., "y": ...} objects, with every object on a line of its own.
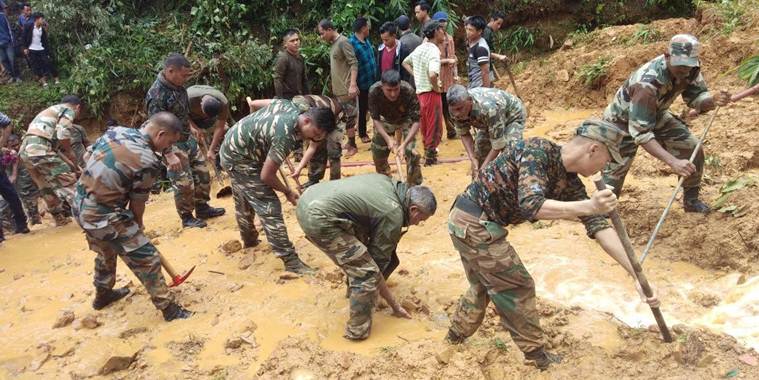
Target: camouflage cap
[
  {"x": 603, "y": 132},
  {"x": 683, "y": 50}
]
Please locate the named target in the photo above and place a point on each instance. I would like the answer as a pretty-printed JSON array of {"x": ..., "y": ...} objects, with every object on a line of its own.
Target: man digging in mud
[
  {"x": 533, "y": 179},
  {"x": 641, "y": 108},
  {"x": 110, "y": 203},
  {"x": 252, "y": 152},
  {"x": 358, "y": 222},
  {"x": 496, "y": 115}
]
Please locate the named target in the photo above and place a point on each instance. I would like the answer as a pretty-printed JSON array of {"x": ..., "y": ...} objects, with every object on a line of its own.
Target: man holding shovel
[
  {"x": 533, "y": 179},
  {"x": 110, "y": 202},
  {"x": 641, "y": 108}
]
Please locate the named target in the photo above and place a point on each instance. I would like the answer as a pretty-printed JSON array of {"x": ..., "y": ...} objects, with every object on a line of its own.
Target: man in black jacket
[
  {"x": 391, "y": 52},
  {"x": 37, "y": 49}
]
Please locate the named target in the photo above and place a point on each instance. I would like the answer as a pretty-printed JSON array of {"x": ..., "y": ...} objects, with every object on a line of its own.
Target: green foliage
[
  {"x": 727, "y": 191},
  {"x": 592, "y": 74},
  {"x": 749, "y": 71},
  {"x": 22, "y": 101},
  {"x": 211, "y": 18},
  {"x": 645, "y": 34},
  {"x": 674, "y": 6},
  {"x": 580, "y": 34},
  {"x": 734, "y": 13},
  {"x": 500, "y": 345},
  {"x": 516, "y": 39}
]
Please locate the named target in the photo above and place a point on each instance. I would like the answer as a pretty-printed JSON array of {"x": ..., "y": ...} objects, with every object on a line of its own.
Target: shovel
[
  {"x": 225, "y": 190},
  {"x": 398, "y": 139},
  {"x": 176, "y": 279}
]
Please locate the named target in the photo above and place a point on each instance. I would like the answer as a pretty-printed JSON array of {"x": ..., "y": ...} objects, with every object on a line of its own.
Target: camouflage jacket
[
  {"x": 372, "y": 207},
  {"x": 122, "y": 168},
  {"x": 404, "y": 110},
  {"x": 53, "y": 124},
  {"x": 304, "y": 102},
  {"x": 268, "y": 133},
  {"x": 195, "y": 94},
  {"x": 648, "y": 92},
  {"x": 78, "y": 140},
  {"x": 164, "y": 96},
  {"x": 494, "y": 111},
  {"x": 512, "y": 188}
]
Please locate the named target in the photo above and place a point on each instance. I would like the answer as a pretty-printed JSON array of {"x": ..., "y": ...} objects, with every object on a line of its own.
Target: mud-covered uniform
[
  {"x": 507, "y": 191},
  {"x": 357, "y": 223},
  {"x": 120, "y": 170}
]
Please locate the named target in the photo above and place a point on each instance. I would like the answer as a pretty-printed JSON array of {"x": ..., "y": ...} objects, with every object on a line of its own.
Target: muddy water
[{"x": 50, "y": 270}]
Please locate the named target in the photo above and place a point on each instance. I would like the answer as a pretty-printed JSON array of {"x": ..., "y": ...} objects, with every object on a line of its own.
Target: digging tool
[
  {"x": 664, "y": 214},
  {"x": 399, "y": 166},
  {"x": 225, "y": 190},
  {"x": 176, "y": 279},
  {"x": 292, "y": 170},
  {"x": 284, "y": 178},
  {"x": 619, "y": 226}
]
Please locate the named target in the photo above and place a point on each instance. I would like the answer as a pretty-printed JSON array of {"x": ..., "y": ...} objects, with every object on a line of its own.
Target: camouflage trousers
[
  {"x": 123, "y": 237},
  {"x": 28, "y": 193},
  {"x": 380, "y": 154},
  {"x": 53, "y": 177},
  {"x": 495, "y": 273},
  {"x": 252, "y": 196},
  {"x": 349, "y": 107},
  {"x": 363, "y": 272},
  {"x": 673, "y": 134},
  {"x": 332, "y": 151},
  {"x": 192, "y": 183},
  {"x": 482, "y": 146},
  {"x": 6, "y": 215}
]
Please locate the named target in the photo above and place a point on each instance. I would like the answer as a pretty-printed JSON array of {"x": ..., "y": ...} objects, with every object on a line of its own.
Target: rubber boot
[
  {"x": 454, "y": 338},
  {"x": 294, "y": 264},
  {"x": 205, "y": 211},
  {"x": 250, "y": 242},
  {"x": 105, "y": 297},
  {"x": 542, "y": 359},
  {"x": 692, "y": 203},
  {"x": 174, "y": 311},
  {"x": 23, "y": 229},
  {"x": 188, "y": 221}
]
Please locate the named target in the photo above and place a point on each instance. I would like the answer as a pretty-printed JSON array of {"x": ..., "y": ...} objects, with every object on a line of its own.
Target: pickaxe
[{"x": 176, "y": 278}]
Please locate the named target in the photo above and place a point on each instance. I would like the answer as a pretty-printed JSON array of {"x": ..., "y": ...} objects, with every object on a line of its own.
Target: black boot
[
  {"x": 542, "y": 358},
  {"x": 23, "y": 229},
  {"x": 105, "y": 297},
  {"x": 36, "y": 220},
  {"x": 174, "y": 311},
  {"x": 188, "y": 221},
  {"x": 250, "y": 242},
  {"x": 294, "y": 264},
  {"x": 454, "y": 338},
  {"x": 692, "y": 203},
  {"x": 205, "y": 211}
]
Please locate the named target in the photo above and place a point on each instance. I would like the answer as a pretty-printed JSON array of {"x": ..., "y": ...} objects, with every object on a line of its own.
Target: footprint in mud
[{"x": 188, "y": 349}]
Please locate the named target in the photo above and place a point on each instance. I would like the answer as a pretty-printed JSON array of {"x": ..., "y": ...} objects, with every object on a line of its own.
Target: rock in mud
[
  {"x": 235, "y": 287},
  {"x": 289, "y": 276},
  {"x": 231, "y": 246},
  {"x": 115, "y": 364},
  {"x": 246, "y": 262},
  {"x": 444, "y": 357},
  {"x": 64, "y": 319},
  {"x": 704, "y": 299},
  {"x": 90, "y": 322},
  {"x": 233, "y": 343},
  {"x": 562, "y": 75},
  {"x": 691, "y": 351},
  {"x": 132, "y": 332}
]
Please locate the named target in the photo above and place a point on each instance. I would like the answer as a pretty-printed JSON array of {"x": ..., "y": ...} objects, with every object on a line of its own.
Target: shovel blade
[{"x": 179, "y": 279}]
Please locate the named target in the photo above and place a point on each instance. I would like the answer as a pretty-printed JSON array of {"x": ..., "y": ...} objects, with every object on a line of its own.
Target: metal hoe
[
  {"x": 176, "y": 279},
  {"x": 619, "y": 226},
  {"x": 659, "y": 224}
]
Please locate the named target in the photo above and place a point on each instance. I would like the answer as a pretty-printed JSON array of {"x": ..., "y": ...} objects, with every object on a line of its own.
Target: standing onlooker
[
  {"x": 448, "y": 73},
  {"x": 25, "y": 18},
  {"x": 495, "y": 24},
  {"x": 409, "y": 42},
  {"x": 478, "y": 63},
  {"x": 37, "y": 48},
  {"x": 422, "y": 14},
  {"x": 343, "y": 71},
  {"x": 290, "y": 78},
  {"x": 367, "y": 71},
  {"x": 7, "y": 45},
  {"x": 424, "y": 62},
  {"x": 391, "y": 52},
  {"x": 7, "y": 191}
]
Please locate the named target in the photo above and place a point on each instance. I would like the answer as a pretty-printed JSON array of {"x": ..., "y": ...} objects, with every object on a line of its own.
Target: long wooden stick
[
  {"x": 399, "y": 138},
  {"x": 664, "y": 214},
  {"x": 292, "y": 170},
  {"x": 619, "y": 226}
]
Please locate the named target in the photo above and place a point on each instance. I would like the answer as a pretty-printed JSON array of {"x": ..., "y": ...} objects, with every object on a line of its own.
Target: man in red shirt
[{"x": 391, "y": 53}]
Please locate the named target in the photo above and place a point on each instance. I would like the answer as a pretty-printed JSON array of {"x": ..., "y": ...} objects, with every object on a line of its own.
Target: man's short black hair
[
  {"x": 211, "y": 106},
  {"x": 391, "y": 78},
  {"x": 323, "y": 118},
  {"x": 430, "y": 27},
  {"x": 26, "y": 5},
  {"x": 176, "y": 61},
  {"x": 326, "y": 24},
  {"x": 167, "y": 121},
  {"x": 289, "y": 33},
  {"x": 425, "y": 6},
  {"x": 360, "y": 23},
  {"x": 37, "y": 15},
  {"x": 496, "y": 15},
  {"x": 389, "y": 27},
  {"x": 71, "y": 99},
  {"x": 477, "y": 22}
]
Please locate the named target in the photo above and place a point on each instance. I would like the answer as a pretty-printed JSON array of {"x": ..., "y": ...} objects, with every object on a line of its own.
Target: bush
[
  {"x": 593, "y": 74},
  {"x": 517, "y": 39},
  {"x": 645, "y": 34},
  {"x": 749, "y": 71}
]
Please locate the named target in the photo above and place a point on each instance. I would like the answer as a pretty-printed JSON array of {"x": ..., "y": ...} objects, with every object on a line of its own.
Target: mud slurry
[{"x": 252, "y": 322}]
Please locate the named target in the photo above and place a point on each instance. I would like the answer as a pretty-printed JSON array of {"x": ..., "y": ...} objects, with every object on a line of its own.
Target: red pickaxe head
[{"x": 178, "y": 279}]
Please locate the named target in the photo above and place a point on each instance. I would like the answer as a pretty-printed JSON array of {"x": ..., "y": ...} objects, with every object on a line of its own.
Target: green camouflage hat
[
  {"x": 603, "y": 132},
  {"x": 683, "y": 50}
]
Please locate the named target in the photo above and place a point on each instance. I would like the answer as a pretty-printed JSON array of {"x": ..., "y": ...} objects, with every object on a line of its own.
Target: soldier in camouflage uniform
[
  {"x": 25, "y": 187},
  {"x": 252, "y": 152},
  {"x": 393, "y": 106},
  {"x": 496, "y": 115},
  {"x": 53, "y": 172},
  {"x": 358, "y": 223},
  {"x": 186, "y": 165},
  {"x": 209, "y": 108},
  {"x": 110, "y": 203},
  {"x": 79, "y": 143},
  {"x": 532, "y": 179},
  {"x": 641, "y": 108}
]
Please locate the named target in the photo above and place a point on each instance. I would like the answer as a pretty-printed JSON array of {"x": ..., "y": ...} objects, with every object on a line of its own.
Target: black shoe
[
  {"x": 188, "y": 221},
  {"x": 23, "y": 230},
  {"x": 294, "y": 264},
  {"x": 452, "y": 136},
  {"x": 207, "y": 212},
  {"x": 35, "y": 221},
  {"x": 105, "y": 297},
  {"x": 454, "y": 338},
  {"x": 250, "y": 243},
  {"x": 174, "y": 311},
  {"x": 693, "y": 204},
  {"x": 542, "y": 358}
]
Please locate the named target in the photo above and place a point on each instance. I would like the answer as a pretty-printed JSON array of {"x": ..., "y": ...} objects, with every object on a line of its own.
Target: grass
[
  {"x": 645, "y": 34},
  {"x": 22, "y": 101},
  {"x": 592, "y": 74}
]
